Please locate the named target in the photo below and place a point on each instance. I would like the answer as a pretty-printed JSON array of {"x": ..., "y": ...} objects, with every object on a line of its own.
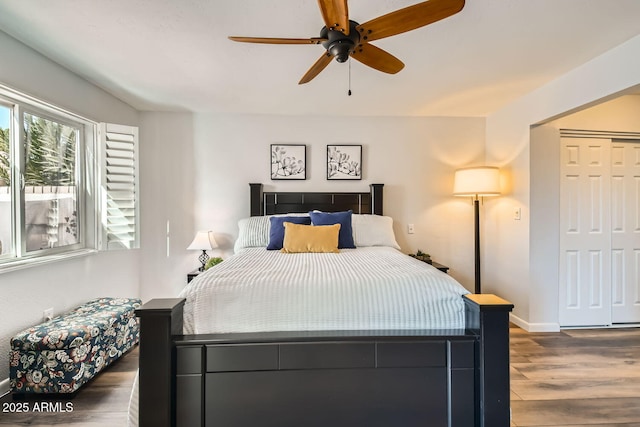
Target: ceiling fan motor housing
[{"x": 338, "y": 44}]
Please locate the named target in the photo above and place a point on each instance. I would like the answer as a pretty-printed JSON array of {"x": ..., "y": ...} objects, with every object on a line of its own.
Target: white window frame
[{"x": 86, "y": 168}]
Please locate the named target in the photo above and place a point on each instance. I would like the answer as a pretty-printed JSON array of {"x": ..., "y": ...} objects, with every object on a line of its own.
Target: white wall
[
  {"x": 545, "y": 220},
  {"x": 168, "y": 185},
  {"x": 24, "y": 294},
  {"x": 618, "y": 115},
  {"x": 204, "y": 163},
  {"x": 508, "y": 144}
]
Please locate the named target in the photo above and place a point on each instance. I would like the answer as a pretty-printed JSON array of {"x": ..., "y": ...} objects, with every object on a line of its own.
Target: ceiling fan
[{"x": 343, "y": 38}]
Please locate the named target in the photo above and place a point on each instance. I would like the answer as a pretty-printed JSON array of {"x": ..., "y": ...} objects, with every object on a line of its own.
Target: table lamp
[{"x": 203, "y": 241}]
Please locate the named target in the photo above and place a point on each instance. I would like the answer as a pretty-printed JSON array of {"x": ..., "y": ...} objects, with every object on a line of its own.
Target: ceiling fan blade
[
  {"x": 316, "y": 68},
  {"x": 377, "y": 58},
  {"x": 335, "y": 14},
  {"x": 275, "y": 40},
  {"x": 409, "y": 18}
]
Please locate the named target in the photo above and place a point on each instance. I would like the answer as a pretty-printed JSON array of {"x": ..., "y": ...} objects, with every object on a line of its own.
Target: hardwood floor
[
  {"x": 576, "y": 378},
  {"x": 567, "y": 379}
]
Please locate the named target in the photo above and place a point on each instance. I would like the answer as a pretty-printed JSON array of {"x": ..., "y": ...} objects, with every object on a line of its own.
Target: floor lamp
[{"x": 477, "y": 182}]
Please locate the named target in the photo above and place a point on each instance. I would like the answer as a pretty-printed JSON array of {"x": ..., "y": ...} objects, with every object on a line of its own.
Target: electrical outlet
[
  {"x": 47, "y": 314},
  {"x": 517, "y": 213},
  {"x": 410, "y": 229}
]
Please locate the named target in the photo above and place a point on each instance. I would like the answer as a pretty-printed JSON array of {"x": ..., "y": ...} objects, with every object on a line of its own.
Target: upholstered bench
[{"x": 61, "y": 355}]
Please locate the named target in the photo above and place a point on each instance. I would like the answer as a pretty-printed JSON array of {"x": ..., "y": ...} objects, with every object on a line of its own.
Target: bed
[{"x": 251, "y": 345}]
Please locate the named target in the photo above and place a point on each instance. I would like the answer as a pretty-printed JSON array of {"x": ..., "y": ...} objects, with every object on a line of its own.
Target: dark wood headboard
[{"x": 270, "y": 203}]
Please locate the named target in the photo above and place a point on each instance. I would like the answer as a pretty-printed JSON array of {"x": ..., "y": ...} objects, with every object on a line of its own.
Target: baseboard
[
  {"x": 534, "y": 327},
  {"x": 4, "y": 387},
  {"x": 612, "y": 326}
]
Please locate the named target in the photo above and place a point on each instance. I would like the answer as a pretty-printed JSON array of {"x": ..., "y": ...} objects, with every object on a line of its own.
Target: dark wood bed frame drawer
[
  {"x": 412, "y": 354},
  {"x": 228, "y": 358},
  {"x": 406, "y": 397},
  {"x": 284, "y": 356},
  {"x": 327, "y": 356}
]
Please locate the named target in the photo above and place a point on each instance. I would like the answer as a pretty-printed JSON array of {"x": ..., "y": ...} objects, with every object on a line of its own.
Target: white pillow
[
  {"x": 373, "y": 230},
  {"x": 254, "y": 231}
]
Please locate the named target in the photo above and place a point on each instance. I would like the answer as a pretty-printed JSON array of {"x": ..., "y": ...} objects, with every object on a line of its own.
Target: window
[
  {"x": 67, "y": 185},
  {"x": 42, "y": 190},
  {"x": 51, "y": 183}
]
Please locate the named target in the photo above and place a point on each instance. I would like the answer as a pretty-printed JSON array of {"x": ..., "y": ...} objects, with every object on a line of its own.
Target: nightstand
[
  {"x": 440, "y": 267},
  {"x": 192, "y": 275}
]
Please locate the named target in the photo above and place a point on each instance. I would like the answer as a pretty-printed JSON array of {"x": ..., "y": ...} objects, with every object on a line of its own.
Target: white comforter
[{"x": 365, "y": 288}]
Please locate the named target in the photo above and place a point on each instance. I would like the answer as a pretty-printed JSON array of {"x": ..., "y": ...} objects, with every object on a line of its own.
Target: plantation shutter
[{"x": 119, "y": 184}]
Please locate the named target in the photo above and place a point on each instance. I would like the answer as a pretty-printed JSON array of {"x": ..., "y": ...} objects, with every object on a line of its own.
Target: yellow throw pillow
[{"x": 310, "y": 238}]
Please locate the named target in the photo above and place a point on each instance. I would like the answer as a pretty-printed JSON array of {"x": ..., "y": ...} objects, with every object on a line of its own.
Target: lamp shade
[
  {"x": 203, "y": 241},
  {"x": 479, "y": 181}
]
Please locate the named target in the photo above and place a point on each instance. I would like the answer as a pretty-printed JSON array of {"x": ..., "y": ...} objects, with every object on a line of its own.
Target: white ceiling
[{"x": 175, "y": 55}]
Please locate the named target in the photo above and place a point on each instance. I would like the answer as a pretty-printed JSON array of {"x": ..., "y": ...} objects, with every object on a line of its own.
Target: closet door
[
  {"x": 625, "y": 231},
  {"x": 585, "y": 232}
]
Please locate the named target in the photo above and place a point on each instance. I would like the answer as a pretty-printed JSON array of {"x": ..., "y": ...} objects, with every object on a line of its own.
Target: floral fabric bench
[{"x": 64, "y": 353}]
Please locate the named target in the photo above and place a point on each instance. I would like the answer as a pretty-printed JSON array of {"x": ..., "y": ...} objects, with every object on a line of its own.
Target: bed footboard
[{"x": 375, "y": 378}]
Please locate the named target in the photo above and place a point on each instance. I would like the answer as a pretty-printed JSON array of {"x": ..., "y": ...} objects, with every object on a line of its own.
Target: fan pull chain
[{"x": 349, "y": 92}]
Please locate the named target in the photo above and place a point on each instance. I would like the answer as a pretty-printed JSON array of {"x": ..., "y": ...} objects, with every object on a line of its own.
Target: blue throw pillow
[
  {"x": 345, "y": 238},
  {"x": 276, "y": 230}
]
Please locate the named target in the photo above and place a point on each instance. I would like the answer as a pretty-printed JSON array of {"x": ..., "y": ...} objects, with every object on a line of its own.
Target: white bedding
[{"x": 366, "y": 288}]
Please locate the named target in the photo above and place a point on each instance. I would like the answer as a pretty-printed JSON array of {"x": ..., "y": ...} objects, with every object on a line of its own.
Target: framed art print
[
  {"x": 288, "y": 161},
  {"x": 344, "y": 162}
]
